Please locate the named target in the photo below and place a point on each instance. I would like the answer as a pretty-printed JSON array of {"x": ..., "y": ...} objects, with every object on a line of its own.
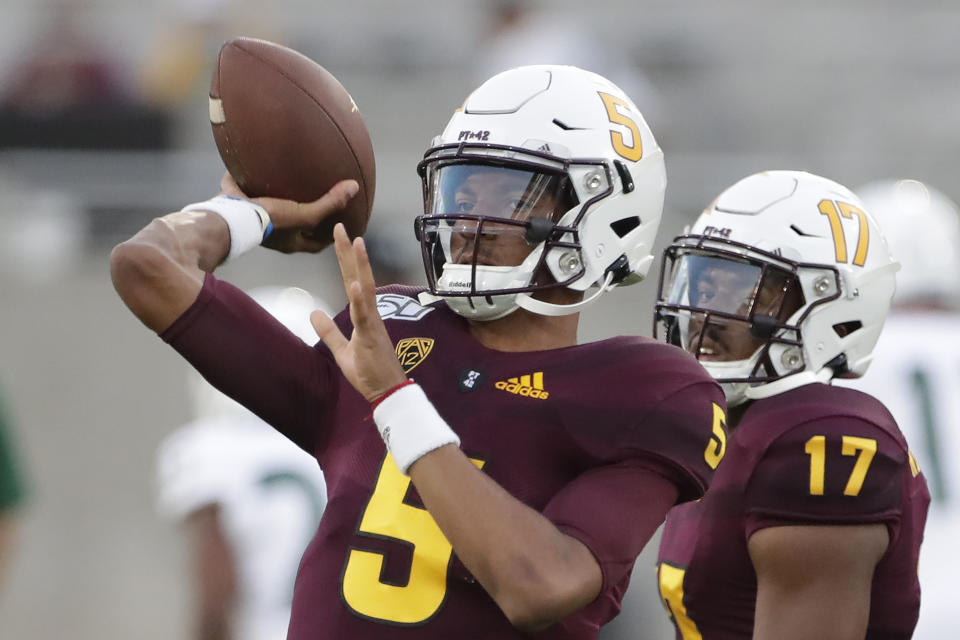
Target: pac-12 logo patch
[
  {"x": 413, "y": 351},
  {"x": 398, "y": 307}
]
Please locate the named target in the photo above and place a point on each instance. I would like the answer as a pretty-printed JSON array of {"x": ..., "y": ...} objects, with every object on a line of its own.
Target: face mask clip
[
  {"x": 619, "y": 270},
  {"x": 763, "y": 327},
  {"x": 539, "y": 229}
]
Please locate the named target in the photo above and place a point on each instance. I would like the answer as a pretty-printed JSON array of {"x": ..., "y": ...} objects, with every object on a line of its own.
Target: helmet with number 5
[
  {"x": 785, "y": 279},
  {"x": 547, "y": 177}
]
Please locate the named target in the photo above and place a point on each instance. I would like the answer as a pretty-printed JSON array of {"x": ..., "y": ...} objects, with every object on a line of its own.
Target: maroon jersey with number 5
[
  {"x": 813, "y": 455},
  {"x": 574, "y": 433}
]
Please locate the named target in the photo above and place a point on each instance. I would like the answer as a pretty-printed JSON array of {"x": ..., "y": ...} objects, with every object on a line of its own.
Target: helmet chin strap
[
  {"x": 786, "y": 383},
  {"x": 526, "y": 301},
  {"x": 425, "y": 298},
  {"x": 531, "y": 304}
]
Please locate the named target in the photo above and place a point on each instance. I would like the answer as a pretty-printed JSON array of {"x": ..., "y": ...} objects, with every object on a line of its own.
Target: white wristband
[
  {"x": 410, "y": 426},
  {"x": 249, "y": 223}
]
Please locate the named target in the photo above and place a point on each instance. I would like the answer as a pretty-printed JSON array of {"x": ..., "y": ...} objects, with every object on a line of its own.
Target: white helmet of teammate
[
  {"x": 923, "y": 228},
  {"x": 783, "y": 280},
  {"x": 292, "y": 307},
  {"x": 547, "y": 177}
]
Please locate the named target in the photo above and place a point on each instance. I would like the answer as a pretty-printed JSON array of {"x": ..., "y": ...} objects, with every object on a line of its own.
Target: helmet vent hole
[
  {"x": 623, "y": 226},
  {"x": 562, "y": 125},
  {"x": 844, "y": 329}
]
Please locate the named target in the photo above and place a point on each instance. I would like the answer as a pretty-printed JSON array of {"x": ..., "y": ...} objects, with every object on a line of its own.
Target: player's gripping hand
[
  {"x": 295, "y": 222},
  {"x": 367, "y": 359}
]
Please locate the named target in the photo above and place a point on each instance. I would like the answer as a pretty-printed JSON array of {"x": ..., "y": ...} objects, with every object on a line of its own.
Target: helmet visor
[
  {"x": 489, "y": 216},
  {"x": 724, "y": 309},
  {"x": 495, "y": 191}
]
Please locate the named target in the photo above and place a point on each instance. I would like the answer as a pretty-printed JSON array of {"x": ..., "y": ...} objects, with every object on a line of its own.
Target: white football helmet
[
  {"x": 922, "y": 226},
  {"x": 783, "y": 280},
  {"x": 548, "y": 176},
  {"x": 292, "y": 307}
]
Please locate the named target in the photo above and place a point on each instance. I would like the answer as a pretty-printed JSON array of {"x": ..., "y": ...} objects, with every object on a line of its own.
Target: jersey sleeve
[
  {"x": 252, "y": 357},
  {"x": 613, "y": 511},
  {"x": 837, "y": 470},
  {"x": 686, "y": 434}
]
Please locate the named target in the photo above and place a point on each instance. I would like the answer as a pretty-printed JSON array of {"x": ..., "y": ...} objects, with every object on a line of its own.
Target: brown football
[{"x": 286, "y": 128}]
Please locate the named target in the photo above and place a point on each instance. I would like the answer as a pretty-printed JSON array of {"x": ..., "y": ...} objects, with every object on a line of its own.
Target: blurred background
[{"x": 103, "y": 125}]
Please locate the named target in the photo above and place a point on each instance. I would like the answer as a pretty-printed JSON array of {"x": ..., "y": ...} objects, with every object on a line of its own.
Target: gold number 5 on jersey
[
  {"x": 717, "y": 446},
  {"x": 387, "y": 516}
]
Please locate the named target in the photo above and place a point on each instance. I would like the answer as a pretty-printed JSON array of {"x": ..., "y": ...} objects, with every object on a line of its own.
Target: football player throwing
[{"x": 511, "y": 486}]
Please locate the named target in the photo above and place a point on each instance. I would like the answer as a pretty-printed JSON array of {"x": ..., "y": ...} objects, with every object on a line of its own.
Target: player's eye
[
  {"x": 464, "y": 206},
  {"x": 704, "y": 294}
]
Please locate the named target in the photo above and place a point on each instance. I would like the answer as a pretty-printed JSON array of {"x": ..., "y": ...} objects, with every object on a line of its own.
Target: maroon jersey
[
  {"x": 813, "y": 455},
  {"x": 570, "y": 432}
]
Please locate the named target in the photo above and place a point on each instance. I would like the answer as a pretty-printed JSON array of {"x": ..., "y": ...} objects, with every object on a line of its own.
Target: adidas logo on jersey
[{"x": 530, "y": 385}]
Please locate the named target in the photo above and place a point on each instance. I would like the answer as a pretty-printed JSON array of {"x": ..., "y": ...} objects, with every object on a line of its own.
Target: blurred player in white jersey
[
  {"x": 916, "y": 373},
  {"x": 249, "y": 500}
]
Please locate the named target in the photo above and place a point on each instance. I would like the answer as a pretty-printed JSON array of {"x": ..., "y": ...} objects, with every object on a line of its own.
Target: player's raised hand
[
  {"x": 294, "y": 223},
  {"x": 367, "y": 359}
]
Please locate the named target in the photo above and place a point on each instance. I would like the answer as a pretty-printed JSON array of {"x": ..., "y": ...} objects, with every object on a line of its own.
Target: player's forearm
[
  {"x": 535, "y": 573},
  {"x": 159, "y": 272}
]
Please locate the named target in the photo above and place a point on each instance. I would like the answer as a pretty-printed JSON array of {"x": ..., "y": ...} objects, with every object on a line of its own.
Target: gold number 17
[
  {"x": 830, "y": 209},
  {"x": 816, "y": 448}
]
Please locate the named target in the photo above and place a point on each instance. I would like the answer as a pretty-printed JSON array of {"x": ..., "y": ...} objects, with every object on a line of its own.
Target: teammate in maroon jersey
[
  {"x": 522, "y": 472},
  {"x": 813, "y": 523}
]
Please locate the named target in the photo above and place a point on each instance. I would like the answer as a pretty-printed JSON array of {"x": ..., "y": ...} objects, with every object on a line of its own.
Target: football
[{"x": 286, "y": 128}]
